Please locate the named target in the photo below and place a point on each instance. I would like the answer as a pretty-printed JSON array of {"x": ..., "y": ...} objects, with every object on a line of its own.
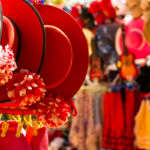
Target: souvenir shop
[{"x": 74, "y": 75}]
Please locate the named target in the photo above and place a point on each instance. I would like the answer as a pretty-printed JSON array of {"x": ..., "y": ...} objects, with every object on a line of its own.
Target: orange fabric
[
  {"x": 29, "y": 134},
  {"x": 143, "y": 126}
]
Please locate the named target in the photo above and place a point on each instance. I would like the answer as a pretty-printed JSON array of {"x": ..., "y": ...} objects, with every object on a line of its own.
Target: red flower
[
  {"x": 25, "y": 88},
  {"x": 7, "y": 64},
  {"x": 53, "y": 112}
]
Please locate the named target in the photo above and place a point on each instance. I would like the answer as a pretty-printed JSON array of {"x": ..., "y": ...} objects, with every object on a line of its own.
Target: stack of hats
[{"x": 45, "y": 62}]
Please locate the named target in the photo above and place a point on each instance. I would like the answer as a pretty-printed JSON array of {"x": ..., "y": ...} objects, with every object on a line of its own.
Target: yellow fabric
[
  {"x": 143, "y": 126},
  {"x": 147, "y": 31},
  {"x": 88, "y": 35}
]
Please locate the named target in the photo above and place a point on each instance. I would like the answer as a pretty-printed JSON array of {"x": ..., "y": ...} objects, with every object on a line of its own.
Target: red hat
[
  {"x": 65, "y": 61},
  {"x": 17, "y": 29},
  {"x": 53, "y": 109},
  {"x": 76, "y": 15},
  {"x": 107, "y": 8},
  {"x": 72, "y": 30},
  {"x": 96, "y": 12}
]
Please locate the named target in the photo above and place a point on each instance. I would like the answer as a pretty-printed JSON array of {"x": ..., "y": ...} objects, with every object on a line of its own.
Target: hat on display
[
  {"x": 73, "y": 81},
  {"x": 134, "y": 8},
  {"x": 107, "y": 9},
  {"x": 79, "y": 49},
  {"x": 134, "y": 39},
  {"x": 87, "y": 17},
  {"x": 16, "y": 33},
  {"x": 52, "y": 63},
  {"x": 145, "y": 6},
  {"x": 76, "y": 15},
  {"x": 97, "y": 12}
]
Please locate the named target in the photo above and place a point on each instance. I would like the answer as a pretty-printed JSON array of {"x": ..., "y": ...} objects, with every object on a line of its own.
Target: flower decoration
[
  {"x": 7, "y": 64},
  {"x": 53, "y": 112},
  {"x": 25, "y": 88}
]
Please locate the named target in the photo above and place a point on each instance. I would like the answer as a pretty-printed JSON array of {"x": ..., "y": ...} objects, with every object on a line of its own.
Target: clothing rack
[
  {"x": 110, "y": 88},
  {"x": 99, "y": 87}
]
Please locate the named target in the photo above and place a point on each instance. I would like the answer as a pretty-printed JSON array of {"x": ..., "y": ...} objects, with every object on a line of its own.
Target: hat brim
[
  {"x": 31, "y": 27},
  {"x": 62, "y": 20},
  {"x": 1, "y": 21},
  {"x": 142, "y": 51}
]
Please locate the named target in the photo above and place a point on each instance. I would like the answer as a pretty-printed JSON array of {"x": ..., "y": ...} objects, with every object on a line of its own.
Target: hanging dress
[
  {"x": 142, "y": 128},
  {"x": 129, "y": 119},
  {"x": 91, "y": 139}
]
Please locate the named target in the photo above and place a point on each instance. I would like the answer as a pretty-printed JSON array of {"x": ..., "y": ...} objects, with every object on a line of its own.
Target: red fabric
[
  {"x": 107, "y": 122},
  {"x": 129, "y": 122},
  {"x": 75, "y": 14},
  {"x": 10, "y": 141},
  {"x": 17, "y": 111},
  {"x": 96, "y": 12},
  {"x": 10, "y": 108},
  {"x": 58, "y": 57},
  {"x": 32, "y": 35},
  {"x": 107, "y": 8},
  {"x": 119, "y": 121},
  {"x": 54, "y": 133},
  {"x": 139, "y": 98},
  {"x": 39, "y": 142},
  {"x": 68, "y": 25}
]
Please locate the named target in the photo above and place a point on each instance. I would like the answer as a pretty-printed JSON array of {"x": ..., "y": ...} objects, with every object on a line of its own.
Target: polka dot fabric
[
  {"x": 107, "y": 125},
  {"x": 118, "y": 121},
  {"x": 129, "y": 116}
]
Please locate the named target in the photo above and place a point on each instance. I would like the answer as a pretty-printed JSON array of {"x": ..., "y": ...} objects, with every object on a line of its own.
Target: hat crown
[{"x": 9, "y": 35}]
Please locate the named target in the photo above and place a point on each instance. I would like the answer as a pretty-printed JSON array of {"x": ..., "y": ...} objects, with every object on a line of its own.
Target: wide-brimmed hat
[
  {"x": 145, "y": 9},
  {"x": 134, "y": 8},
  {"x": 75, "y": 13},
  {"x": 23, "y": 30},
  {"x": 64, "y": 22},
  {"x": 134, "y": 40},
  {"x": 61, "y": 66}
]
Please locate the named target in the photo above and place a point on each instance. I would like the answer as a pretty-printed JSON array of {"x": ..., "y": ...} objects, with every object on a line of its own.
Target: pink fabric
[
  {"x": 91, "y": 139},
  {"x": 133, "y": 40},
  {"x": 77, "y": 130},
  {"x": 40, "y": 142}
]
